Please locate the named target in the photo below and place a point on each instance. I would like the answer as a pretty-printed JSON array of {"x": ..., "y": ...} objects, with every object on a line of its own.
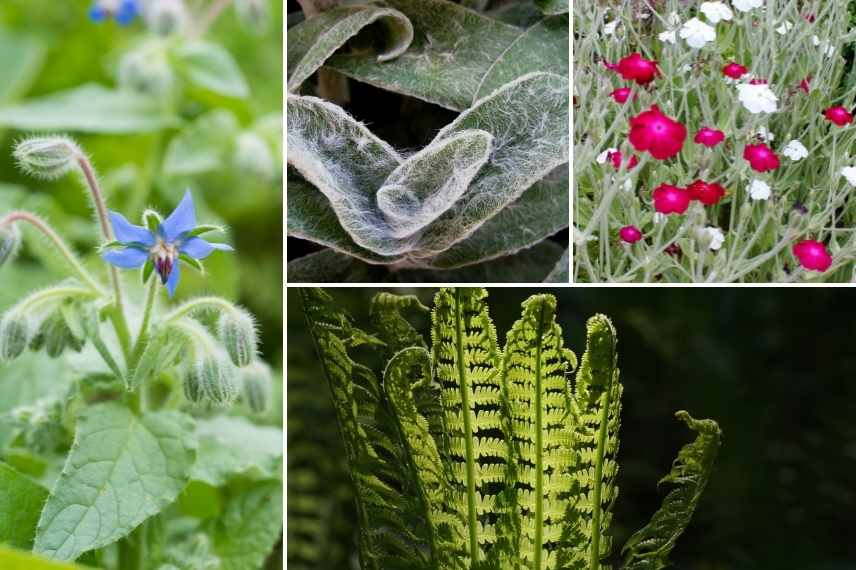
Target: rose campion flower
[
  {"x": 795, "y": 150},
  {"x": 603, "y": 157},
  {"x": 706, "y": 193},
  {"x": 784, "y": 28},
  {"x": 747, "y": 5},
  {"x": 175, "y": 237},
  {"x": 656, "y": 133},
  {"x": 622, "y": 95},
  {"x": 615, "y": 158},
  {"x": 839, "y": 116},
  {"x": 805, "y": 84},
  {"x": 636, "y": 68},
  {"x": 670, "y": 199},
  {"x": 759, "y": 190},
  {"x": 716, "y": 12},
  {"x": 630, "y": 234},
  {"x": 761, "y": 157},
  {"x": 812, "y": 255},
  {"x": 709, "y": 137},
  {"x": 609, "y": 28},
  {"x": 123, "y": 11},
  {"x": 716, "y": 238},
  {"x": 734, "y": 70},
  {"x": 849, "y": 172},
  {"x": 757, "y": 98},
  {"x": 668, "y": 37},
  {"x": 697, "y": 34}
]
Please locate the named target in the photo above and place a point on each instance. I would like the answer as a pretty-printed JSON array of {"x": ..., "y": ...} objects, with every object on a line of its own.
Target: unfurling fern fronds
[{"x": 469, "y": 457}]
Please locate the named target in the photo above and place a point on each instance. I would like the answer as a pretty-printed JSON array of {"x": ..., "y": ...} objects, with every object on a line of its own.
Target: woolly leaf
[
  {"x": 452, "y": 51},
  {"x": 561, "y": 272},
  {"x": 597, "y": 409},
  {"x": 20, "y": 504},
  {"x": 649, "y": 547},
  {"x": 554, "y": 6},
  {"x": 312, "y": 41},
  {"x": 122, "y": 470}
]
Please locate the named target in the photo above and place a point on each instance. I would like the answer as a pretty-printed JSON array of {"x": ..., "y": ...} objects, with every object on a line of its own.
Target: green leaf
[
  {"x": 122, "y": 470},
  {"x": 554, "y": 6},
  {"x": 561, "y": 272},
  {"x": 20, "y": 504},
  {"x": 649, "y": 547},
  {"x": 232, "y": 446},
  {"x": 11, "y": 559},
  {"x": 90, "y": 109},
  {"x": 201, "y": 146},
  {"x": 249, "y": 528},
  {"x": 312, "y": 41},
  {"x": 22, "y": 60},
  {"x": 453, "y": 50},
  {"x": 211, "y": 67}
]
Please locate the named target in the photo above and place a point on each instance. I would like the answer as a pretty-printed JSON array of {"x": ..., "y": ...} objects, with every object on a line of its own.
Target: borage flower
[
  {"x": 123, "y": 11},
  {"x": 172, "y": 240},
  {"x": 839, "y": 116},
  {"x": 630, "y": 234},
  {"x": 709, "y": 137},
  {"x": 636, "y": 68},
  {"x": 670, "y": 199},
  {"x": 660, "y": 135},
  {"x": 708, "y": 193},
  {"x": 812, "y": 255},
  {"x": 761, "y": 157}
]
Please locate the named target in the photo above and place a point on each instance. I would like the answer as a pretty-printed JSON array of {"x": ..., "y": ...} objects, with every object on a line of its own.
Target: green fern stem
[
  {"x": 539, "y": 445},
  {"x": 603, "y": 429}
]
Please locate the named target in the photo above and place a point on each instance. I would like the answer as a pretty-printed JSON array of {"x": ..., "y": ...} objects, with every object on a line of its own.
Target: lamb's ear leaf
[
  {"x": 535, "y": 104},
  {"x": 597, "y": 410},
  {"x": 553, "y": 7},
  {"x": 561, "y": 272},
  {"x": 452, "y": 51},
  {"x": 649, "y": 547},
  {"x": 536, "y": 215},
  {"x": 314, "y": 40}
]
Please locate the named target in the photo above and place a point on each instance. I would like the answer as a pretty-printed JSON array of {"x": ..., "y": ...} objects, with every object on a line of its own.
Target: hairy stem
[
  {"x": 143, "y": 334},
  {"x": 200, "y": 304},
  {"x": 64, "y": 250}
]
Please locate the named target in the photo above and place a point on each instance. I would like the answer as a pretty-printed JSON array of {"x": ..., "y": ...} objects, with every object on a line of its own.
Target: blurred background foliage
[
  {"x": 192, "y": 137},
  {"x": 772, "y": 366}
]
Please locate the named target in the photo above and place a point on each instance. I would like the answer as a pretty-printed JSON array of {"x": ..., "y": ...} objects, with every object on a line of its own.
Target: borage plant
[
  {"x": 484, "y": 196},
  {"x": 135, "y": 465},
  {"x": 714, "y": 141},
  {"x": 467, "y": 455}
]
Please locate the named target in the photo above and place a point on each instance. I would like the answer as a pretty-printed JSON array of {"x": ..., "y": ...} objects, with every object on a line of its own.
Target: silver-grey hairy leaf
[
  {"x": 561, "y": 273},
  {"x": 554, "y": 6}
]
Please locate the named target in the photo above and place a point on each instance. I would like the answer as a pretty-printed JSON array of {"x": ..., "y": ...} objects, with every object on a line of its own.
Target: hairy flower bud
[
  {"x": 253, "y": 156},
  {"x": 58, "y": 336},
  {"x": 14, "y": 336},
  {"x": 258, "y": 386},
  {"x": 47, "y": 157},
  {"x": 216, "y": 378},
  {"x": 10, "y": 242},
  {"x": 166, "y": 17},
  {"x": 146, "y": 70},
  {"x": 237, "y": 331},
  {"x": 192, "y": 385}
]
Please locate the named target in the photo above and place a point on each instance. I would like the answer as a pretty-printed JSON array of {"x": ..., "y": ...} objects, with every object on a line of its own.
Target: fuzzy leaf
[
  {"x": 89, "y": 109},
  {"x": 122, "y": 469},
  {"x": 211, "y": 67},
  {"x": 311, "y": 42},
  {"x": 249, "y": 527},
  {"x": 202, "y": 145},
  {"x": 21, "y": 502},
  {"x": 554, "y": 6},
  {"x": 452, "y": 51},
  {"x": 649, "y": 547},
  {"x": 232, "y": 446},
  {"x": 561, "y": 272}
]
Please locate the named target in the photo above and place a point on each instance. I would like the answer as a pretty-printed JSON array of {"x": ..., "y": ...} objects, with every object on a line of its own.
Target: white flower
[
  {"x": 826, "y": 48},
  {"x": 604, "y": 156},
  {"x": 765, "y": 134},
  {"x": 849, "y": 172},
  {"x": 716, "y": 237},
  {"x": 759, "y": 190},
  {"x": 746, "y": 5},
  {"x": 609, "y": 28},
  {"x": 795, "y": 150},
  {"x": 757, "y": 98},
  {"x": 785, "y": 28},
  {"x": 686, "y": 68},
  {"x": 716, "y": 11},
  {"x": 697, "y": 33},
  {"x": 674, "y": 19},
  {"x": 669, "y": 36}
]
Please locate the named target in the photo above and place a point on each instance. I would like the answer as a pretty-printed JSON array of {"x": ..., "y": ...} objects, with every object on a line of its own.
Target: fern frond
[
  {"x": 467, "y": 366},
  {"x": 649, "y": 547},
  {"x": 396, "y": 331},
  {"x": 535, "y": 365},
  {"x": 597, "y": 410}
]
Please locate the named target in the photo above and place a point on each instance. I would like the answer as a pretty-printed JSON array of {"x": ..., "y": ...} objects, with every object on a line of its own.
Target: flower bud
[
  {"x": 254, "y": 157},
  {"x": 253, "y": 14},
  {"x": 237, "y": 331},
  {"x": 14, "y": 336},
  {"x": 166, "y": 17},
  {"x": 216, "y": 378},
  {"x": 47, "y": 157},
  {"x": 146, "y": 70},
  {"x": 258, "y": 385},
  {"x": 10, "y": 242},
  {"x": 193, "y": 386}
]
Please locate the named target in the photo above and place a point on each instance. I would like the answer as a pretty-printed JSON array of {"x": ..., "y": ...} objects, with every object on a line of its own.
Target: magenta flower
[
  {"x": 734, "y": 70},
  {"x": 636, "y": 68},
  {"x": 630, "y": 234},
  {"x": 622, "y": 95},
  {"x": 805, "y": 84},
  {"x": 656, "y": 133},
  {"x": 707, "y": 193},
  {"x": 812, "y": 255},
  {"x": 761, "y": 157},
  {"x": 615, "y": 158},
  {"x": 670, "y": 199},
  {"x": 838, "y": 115},
  {"x": 709, "y": 137}
]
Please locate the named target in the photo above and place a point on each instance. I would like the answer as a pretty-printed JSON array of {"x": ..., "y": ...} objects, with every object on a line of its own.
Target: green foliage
[{"x": 475, "y": 457}]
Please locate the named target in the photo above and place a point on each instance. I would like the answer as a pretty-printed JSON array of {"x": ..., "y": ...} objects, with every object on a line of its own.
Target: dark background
[{"x": 773, "y": 366}]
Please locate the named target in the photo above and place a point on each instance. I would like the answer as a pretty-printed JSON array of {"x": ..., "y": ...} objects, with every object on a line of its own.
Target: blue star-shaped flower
[
  {"x": 175, "y": 237},
  {"x": 123, "y": 11}
]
